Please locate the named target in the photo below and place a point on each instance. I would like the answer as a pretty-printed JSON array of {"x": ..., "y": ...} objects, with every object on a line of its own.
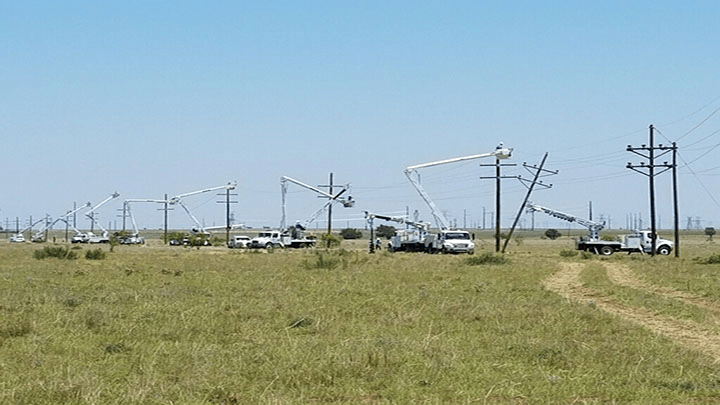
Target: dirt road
[{"x": 694, "y": 336}]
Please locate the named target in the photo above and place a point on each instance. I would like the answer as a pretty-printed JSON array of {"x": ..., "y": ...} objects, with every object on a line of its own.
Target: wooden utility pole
[
  {"x": 648, "y": 152},
  {"x": 676, "y": 218},
  {"x": 330, "y": 191},
  {"x": 498, "y": 177}
]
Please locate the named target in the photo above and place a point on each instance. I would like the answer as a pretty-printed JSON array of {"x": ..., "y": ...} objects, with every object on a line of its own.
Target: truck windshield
[{"x": 457, "y": 235}]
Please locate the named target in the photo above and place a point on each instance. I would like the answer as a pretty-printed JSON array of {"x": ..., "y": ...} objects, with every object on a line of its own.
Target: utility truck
[
  {"x": 133, "y": 238},
  {"x": 294, "y": 236},
  {"x": 41, "y": 235},
  {"x": 404, "y": 240},
  {"x": 447, "y": 239},
  {"x": 19, "y": 236},
  {"x": 290, "y": 238},
  {"x": 90, "y": 237},
  {"x": 640, "y": 241}
]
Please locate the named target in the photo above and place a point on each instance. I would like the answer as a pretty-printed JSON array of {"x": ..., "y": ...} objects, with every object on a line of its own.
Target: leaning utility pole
[
  {"x": 538, "y": 170},
  {"x": 648, "y": 152}
]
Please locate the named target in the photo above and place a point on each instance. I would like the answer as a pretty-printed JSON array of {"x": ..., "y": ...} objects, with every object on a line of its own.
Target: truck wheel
[
  {"x": 268, "y": 246},
  {"x": 663, "y": 250},
  {"x": 606, "y": 250}
]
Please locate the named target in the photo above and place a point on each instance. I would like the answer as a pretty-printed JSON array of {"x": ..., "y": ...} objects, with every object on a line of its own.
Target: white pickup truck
[
  {"x": 239, "y": 241},
  {"x": 450, "y": 241},
  {"x": 273, "y": 239}
]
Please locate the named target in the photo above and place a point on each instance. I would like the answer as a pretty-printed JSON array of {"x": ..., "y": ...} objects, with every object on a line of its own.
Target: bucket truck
[
  {"x": 134, "y": 238},
  {"x": 19, "y": 236},
  {"x": 408, "y": 240},
  {"x": 640, "y": 241},
  {"x": 198, "y": 228},
  {"x": 346, "y": 202},
  {"x": 294, "y": 236},
  {"x": 448, "y": 240},
  {"x": 39, "y": 236},
  {"x": 90, "y": 237}
]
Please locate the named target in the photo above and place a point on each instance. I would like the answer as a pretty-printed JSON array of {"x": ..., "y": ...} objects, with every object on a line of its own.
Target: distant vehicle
[
  {"x": 192, "y": 240},
  {"x": 132, "y": 239},
  {"x": 273, "y": 239},
  {"x": 239, "y": 241},
  {"x": 17, "y": 238},
  {"x": 420, "y": 240}
]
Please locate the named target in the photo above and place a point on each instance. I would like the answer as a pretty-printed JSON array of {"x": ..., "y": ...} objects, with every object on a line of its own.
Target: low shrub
[
  {"x": 323, "y": 260},
  {"x": 486, "y": 258},
  {"x": 712, "y": 259},
  {"x": 55, "y": 251},
  {"x": 95, "y": 254},
  {"x": 568, "y": 253},
  {"x": 328, "y": 240},
  {"x": 351, "y": 233}
]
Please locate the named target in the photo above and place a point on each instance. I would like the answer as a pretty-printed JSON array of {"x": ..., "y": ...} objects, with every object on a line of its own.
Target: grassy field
[{"x": 159, "y": 325}]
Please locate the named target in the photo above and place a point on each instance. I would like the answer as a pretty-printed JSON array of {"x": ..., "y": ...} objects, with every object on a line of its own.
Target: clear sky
[{"x": 154, "y": 97}]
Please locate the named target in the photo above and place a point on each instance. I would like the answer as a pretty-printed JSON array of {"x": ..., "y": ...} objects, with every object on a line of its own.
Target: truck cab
[
  {"x": 270, "y": 239},
  {"x": 451, "y": 241},
  {"x": 642, "y": 240}
]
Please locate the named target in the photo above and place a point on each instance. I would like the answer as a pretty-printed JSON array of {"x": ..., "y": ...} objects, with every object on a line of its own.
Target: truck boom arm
[
  {"x": 346, "y": 202},
  {"x": 178, "y": 200},
  {"x": 421, "y": 226},
  {"x": 500, "y": 153},
  {"x": 39, "y": 234},
  {"x": 90, "y": 214},
  {"x": 594, "y": 228}
]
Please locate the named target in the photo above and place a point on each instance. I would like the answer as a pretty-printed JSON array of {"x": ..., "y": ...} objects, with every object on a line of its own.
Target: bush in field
[
  {"x": 713, "y": 259},
  {"x": 351, "y": 233},
  {"x": 385, "y": 231},
  {"x": 177, "y": 235},
  {"x": 552, "y": 234},
  {"x": 568, "y": 253},
  {"x": 55, "y": 251},
  {"x": 329, "y": 240},
  {"x": 709, "y": 232},
  {"x": 608, "y": 238},
  {"x": 486, "y": 258},
  {"x": 323, "y": 260},
  {"x": 95, "y": 254}
]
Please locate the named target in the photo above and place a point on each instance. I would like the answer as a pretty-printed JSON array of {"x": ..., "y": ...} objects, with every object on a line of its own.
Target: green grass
[{"x": 157, "y": 325}]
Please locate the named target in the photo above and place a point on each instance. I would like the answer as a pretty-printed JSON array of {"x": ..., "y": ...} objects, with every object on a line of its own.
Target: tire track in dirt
[
  {"x": 566, "y": 282},
  {"x": 622, "y": 275}
]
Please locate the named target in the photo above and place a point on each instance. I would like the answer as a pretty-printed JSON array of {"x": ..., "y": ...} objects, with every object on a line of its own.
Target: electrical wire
[
  {"x": 698, "y": 125},
  {"x": 712, "y": 197}
]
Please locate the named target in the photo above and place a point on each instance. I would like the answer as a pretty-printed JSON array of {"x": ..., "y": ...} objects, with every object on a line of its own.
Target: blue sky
[{"x": 154, "y": 97}]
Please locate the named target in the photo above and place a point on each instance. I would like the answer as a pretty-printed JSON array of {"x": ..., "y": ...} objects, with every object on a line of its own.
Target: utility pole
[
  {"x": 676, "y": 219},
  {"x": 227, "y": 203},
  {"x": 648, "y": 152},
  {"x": 329, "y": 195},
  {"x": 497, "y": 178},
  {"x": 330, "y": 191}
]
